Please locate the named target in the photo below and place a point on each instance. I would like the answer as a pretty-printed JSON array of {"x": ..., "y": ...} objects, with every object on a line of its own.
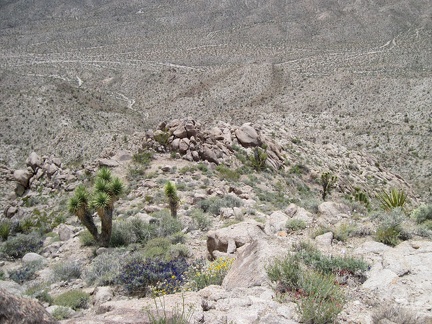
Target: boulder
[
  {"x": 108, "y": 163},
  {"x": 34, "y": 161},
  {"x": 12, "y": 287},
  {"x": 249, "y": 268},
  {"x": 15, "y": 309},
  {"x": 33, "y": 257},
  {"x": 248, "y": 136},
  {"x": 230, "y": 238},
  {"x": 299, "y": 213},
  {"x": 324, "y": 240},
  {"x": 276, "y": 222},
  {"x": 209, "y": 154},
  {"x": 22, "y": 177}
]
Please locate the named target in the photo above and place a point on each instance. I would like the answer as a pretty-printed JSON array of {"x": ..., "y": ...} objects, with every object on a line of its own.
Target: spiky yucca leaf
[
  {"x": 102, "y": 185},
  {"x": 100, "y": 200},
  {"x": 171, "y": 191},
  {"x": 79, "y": 200},
  {"x": 116, "y": 187},
  {"x": 105, "y": 174},
  {"x": 394, "y": 198},
  {"x": 73, "y": 205}
]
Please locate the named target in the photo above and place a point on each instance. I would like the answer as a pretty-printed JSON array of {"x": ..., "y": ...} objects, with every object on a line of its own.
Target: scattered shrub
[
  {"x": 143, "y": 158},
  {"x": 203, "y": 273},
  {"x": 422, "y": 214},
  {"x": 293, "y": 225},
  {"x": 17, "y": 246},
  {"x": 5, "y": 228},
  {"x": 105, "y": 268},
  {"x": 61, "y": 313},
  {"x": 40, "y": 292},
  {"x": 258, "y": 158},
  {"x": 328, "y": 182},
  {"x": 165, "y": 276},
  {"x": 74, "y": 299},
  {"x": 26, "y": 272},
  {"x": 66, "y": 271},
  {"x": 287, "y": 273},
  {"x": 225, "y": 173},
  {"x": 178, "y": 315},
  {"x": 394, "y": 314},
  {"x": 213, "y": 205},
  {"x": 157, "y": 247},
  {"x": 390, "y": 230},
  {"x": 201, "y": 220},
  {"x": 167, "y": 225},
  {"x": 86, "y": 239}
]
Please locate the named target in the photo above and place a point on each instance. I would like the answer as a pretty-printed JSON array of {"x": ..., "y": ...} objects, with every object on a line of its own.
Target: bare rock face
[
  {"x": 15, "y": 309},
  {"x": 228, "y": 239},
  {"x": 22, "y": 177},
  {"x": 34, "y": 161},
  {"x": 248, "y": 136}
]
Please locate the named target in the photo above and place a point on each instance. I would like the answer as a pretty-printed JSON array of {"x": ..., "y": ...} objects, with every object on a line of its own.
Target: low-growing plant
[
  {"x": 74, "y": 299},
  {"x": 157, "y": 247},
  {"x": 390, "y": 227},
  {"x": 213, "y": 205},
  {"x": 86, "y": 239},
  {"x": 392, "y": 199},
  {"x": 201, "y": 220},
  {"x": 167, "y": 225},
  {"x": 178, "y": 315},
  {"x": 5, "y": 228},
  {"x": 139, "y": 275},
  {"x": 132, "y": 230},
  {"x": 422, "y": 214},
  {"x": 61, "y": 313},
  {"x": 203, "y": 273},
  {"x": 26, "y": 272},
  {"x": 17, "y": 246},
  {"x": 225, "y": 173},
  {"x": 294, "y": 225},
  {"x": 258, "y": 158},
  {"x": 66, "y": 271},
  {"x": 105, "y": 268},
  {"x": 40, "y": 292},
  {"x": 143, "y": 158}
]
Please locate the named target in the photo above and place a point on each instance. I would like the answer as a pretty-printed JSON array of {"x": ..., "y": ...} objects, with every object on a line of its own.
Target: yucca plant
[
  {"x": 107, "y": 190},
  {"x": 394, "y": 198},
  {"x": 259, "y": 158},
  {"x": 328, "y": 182},
  {"x": 173, "y": 198}
]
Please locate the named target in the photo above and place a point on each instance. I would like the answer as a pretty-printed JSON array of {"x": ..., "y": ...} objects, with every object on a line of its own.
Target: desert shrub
[
  {"x": 17, "y": 246},
  {"x": 390, "y": 230},
  {"x": 422, "y": 214},
  {"x": 258, "y": 158},
  {"x": 74, "y": 299},
  {"x": 178, "y": 251},
  {"x": 167, "y": 225},
  {"x": 86, "y": 239},
  {"x": 201, "y": 220},
  {"x": 328, "y": 182},
  {"x": 344, "y": 231},
  {"x": 105, "y": 268},
  {"x": 139, "y": 275},
  {"x": 319, "y": 300},
  {"x": 61, "y": 313},
  {"x": 5, "y": 228},
  {"x": 323, "y": 300},
  {"x": 213, "y": 205},
  {"x": 143, "y": 158},
  {"x": 157, "y": 247},
  {"x": 392, "y": 199},
  {"x": 203, "y": 273},
  {"x": 225, "y": 173},
  {"x": 177, "y": 315},
  {"x": 394, "y": 314},
  {"x": 26, "y": 272},
  {"x": 40, "y": 292},
  {"x": 177, "y": 237},
  {"x": 293, "y": 225},
  {"x": 66, "y": 271}
]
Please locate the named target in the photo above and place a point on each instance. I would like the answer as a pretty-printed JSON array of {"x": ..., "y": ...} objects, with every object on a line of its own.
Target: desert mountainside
[{"x": 77, "y": 77}]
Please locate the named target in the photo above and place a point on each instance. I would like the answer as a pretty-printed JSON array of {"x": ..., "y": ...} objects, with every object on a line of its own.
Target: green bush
[
  {"x": 17, "y": 246},
  {"x": 40, "y": 292},
  {"x": 213, "y": 205},
  {"x": 203, "y": 273},
  {"x": 105, "y": 268},
  {"x": 390, "y": 227},
  {"x": 323, "y": 300},
  {"x": 5, "y": 228},
  {"x": 167, "y": 225},
  {"x": 74, "y": 299},
  {"x": 225, "y": 173},
  {"x": 287, "y": 273},
  {"x": 65, "y": 271},
  {"x": 258, "y": 159},
  {"x": 422, "y": 214},
  {"x": 86, "y": 239},
  {"x": 61, "y": 313},
  {"x": 143, "y": 158},
  {"x": 201, "y": 220},
  {"x": 293, "y": 225},
  {"x": 157, "y": 247}
]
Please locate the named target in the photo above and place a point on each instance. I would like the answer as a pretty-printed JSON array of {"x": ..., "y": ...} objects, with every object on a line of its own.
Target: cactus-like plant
[
  {"x": 328, "y": 182},
  {"x": 107, "y": 190},
  {"x": 173, "y": 198},
  {"x": 259, "y": 158},
  {"x": 394, "y": 198}
]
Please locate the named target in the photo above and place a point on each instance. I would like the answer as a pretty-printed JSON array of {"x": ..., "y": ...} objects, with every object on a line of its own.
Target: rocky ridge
[{"x": 254, "y": 233}]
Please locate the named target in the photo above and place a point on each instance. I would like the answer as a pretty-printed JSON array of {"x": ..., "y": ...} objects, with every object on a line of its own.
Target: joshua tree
[
  {"x": 328, "y": 182},
  {"x": 107, "y": 190},
  {"x": 173, "y": 198}
]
